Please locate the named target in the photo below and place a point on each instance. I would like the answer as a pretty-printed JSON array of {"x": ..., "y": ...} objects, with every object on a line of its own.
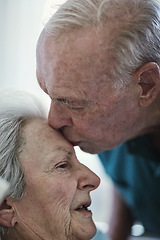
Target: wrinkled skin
[
  {"x": 56, "y": 185},
  {"x": 85, "y": 104}
]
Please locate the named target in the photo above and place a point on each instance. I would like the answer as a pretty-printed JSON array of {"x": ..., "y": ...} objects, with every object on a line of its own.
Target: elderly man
[{"x": 98, "y": 60}]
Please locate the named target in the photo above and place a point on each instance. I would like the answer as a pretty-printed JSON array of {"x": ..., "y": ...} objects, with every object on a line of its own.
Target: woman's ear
[
  {"x": 149, "y": 81},
  {"x": 7, "y": 214}
]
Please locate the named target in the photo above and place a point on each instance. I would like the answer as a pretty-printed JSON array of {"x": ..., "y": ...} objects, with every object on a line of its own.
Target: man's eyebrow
[
  {"x": 61, "y": 100},
  {"x": 70, "y": 101}
]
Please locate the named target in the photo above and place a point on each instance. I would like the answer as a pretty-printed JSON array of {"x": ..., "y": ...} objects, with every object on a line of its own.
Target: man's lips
[{"x": 74, "y": 143}]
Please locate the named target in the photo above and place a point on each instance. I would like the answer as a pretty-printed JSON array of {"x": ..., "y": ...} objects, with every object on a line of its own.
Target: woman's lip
[{"x": 85, "y": 212}]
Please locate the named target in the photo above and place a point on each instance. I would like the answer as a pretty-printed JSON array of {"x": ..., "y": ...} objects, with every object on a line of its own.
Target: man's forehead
[{"x": 68, "y": 65}]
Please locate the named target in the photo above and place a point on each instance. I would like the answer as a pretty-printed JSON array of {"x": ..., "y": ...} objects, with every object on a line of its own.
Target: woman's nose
[{"x": 88, "y": 180}]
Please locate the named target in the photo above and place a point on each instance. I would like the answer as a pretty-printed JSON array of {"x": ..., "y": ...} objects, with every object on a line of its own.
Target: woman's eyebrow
[
  {"x": 68, "y": 152},
  {"x": 54, "y": 158}
]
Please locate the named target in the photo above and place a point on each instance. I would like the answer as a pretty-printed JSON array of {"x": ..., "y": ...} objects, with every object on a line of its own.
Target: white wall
[{"x": 20, "y": 24}]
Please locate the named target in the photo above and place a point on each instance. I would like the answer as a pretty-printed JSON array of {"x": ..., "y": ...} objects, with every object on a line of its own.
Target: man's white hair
[{"x": 136, "y": 25}]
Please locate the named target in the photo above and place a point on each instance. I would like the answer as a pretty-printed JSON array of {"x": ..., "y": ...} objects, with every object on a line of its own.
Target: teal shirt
[
  {"x": 134, "y": 167},
  {"x": 100, "y": 236}
]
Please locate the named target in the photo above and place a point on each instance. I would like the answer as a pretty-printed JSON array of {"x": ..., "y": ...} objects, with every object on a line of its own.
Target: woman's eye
[{"x": 64, "y": 165}]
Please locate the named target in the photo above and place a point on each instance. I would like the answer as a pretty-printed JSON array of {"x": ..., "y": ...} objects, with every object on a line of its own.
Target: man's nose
[
  {"x": 58, "y": 116},
  {"x": 88, "y": 180}
]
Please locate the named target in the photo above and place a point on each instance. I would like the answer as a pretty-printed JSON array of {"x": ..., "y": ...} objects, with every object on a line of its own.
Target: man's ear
[
  {"x": 149, "y": 81},
  {"x": 6, "y": 214}
]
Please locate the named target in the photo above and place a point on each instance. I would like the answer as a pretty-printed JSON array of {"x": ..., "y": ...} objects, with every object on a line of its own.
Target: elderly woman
[{"x": 49, "y": 192}]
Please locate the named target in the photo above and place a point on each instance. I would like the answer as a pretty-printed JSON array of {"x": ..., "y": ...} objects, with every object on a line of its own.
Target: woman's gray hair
[
  {"x": 15, "y": 108},
  {"x": 136, "y": 23}
]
